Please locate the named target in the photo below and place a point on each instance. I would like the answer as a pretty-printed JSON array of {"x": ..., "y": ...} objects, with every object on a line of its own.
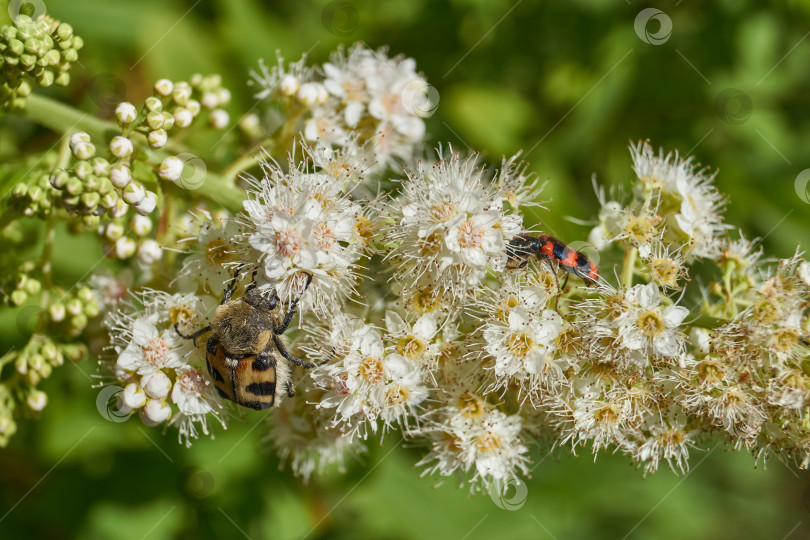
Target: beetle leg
[
  {"x": 291, "y": 312},
  {"x": 286, "y": 354}
]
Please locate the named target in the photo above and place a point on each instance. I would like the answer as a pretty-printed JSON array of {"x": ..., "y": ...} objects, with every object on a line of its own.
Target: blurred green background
[{"x": 570, "y": 83}]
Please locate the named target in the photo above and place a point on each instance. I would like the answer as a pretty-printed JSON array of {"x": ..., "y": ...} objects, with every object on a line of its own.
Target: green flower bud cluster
[
  {"x": 124, "y": 240},
  {"x": 24, "y": 286},
  {"x": 8, "y": 427},
  {"x": 35, "y": 197},
  {"x": 41, "y": 50},
  {"x": 87, "y": 188},
  {"x": 32, "y": 364},
  {"x": 68, "y": 313}
]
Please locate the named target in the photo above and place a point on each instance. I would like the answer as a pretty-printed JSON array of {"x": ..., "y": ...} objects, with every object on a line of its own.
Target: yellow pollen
[
  {"x": 489, "y": 442},
  {"x": 442, "y": 211},
  {"x": 430, "y": 245},
  {"x": 410, "y": 347},
  {"x": 766, "y": 311},
  {"x": 471, "y": 405},
  {"x": 180, "y": 314},
  {"x": 363, "y": 228},
  {"x": 609, "y": 414},
  {"x": 396, "y": 395},
  {"x": 217, "y": 252},
  {"x": 371, "y": 369},
  {"x": 650, "y": 323},
  {"x": 520, "y": 344}
]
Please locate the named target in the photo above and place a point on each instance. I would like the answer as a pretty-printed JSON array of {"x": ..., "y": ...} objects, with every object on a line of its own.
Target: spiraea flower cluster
[
  {"x": 361, "y": 287},
  {"x": 418, "y": 319}
]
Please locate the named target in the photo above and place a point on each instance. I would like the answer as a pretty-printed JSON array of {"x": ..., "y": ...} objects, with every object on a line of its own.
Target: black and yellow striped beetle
[{"x": 245, "y": 356}]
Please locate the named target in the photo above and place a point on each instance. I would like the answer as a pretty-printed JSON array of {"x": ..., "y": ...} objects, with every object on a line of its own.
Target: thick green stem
[
  {"x": 65, "y": 119},
  {"x": 628, "y": 267}
]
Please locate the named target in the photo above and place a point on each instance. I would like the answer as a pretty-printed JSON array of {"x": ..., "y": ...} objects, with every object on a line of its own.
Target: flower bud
[
  {"x": 193, "y": 107},
  {"x": 120, "y": 175},
  {"x": 147, "y": 205},
  {"x": 74, "y": 186},
  {"x": 125, "y": 247},
  {"x": 153, "y": 104},
  {"x": 168, "y": 121},
  {"x": 156, "y": 385},
  {"x": 157, "y": 138},
  {"x": 121, "y": 147},
  {"x": 181, "y": 93},
  {"x": 209, "y": 100},
  {"x": 113, "y": 231},
  {"x": 119, "y": 210},
  {"x": 155, "y": 120},
  {"x": 133, "y": 397},
  {"x": 18, "y": 297},
  {"x": 182, "y": 117},
  {"x": 101, "y": 167},
  {"x": 59, "y": 179},
  {"x": 37, "y": 400},
  {"x": 171, "y": 168},
  {"x": 149, "y": 252},
  {"x": 134, "y": 193},
  {"x": 141, "y": 225},
  {"x": 57, "y": 312},
  {"x": 155, "y": 412},
  {"x": 308, "y": 94},
  {"x": 219, "y": 119},
  {"x": 164, "y": 87},
  {"x": 125, "y": 113},
  {"x": 74, "y": 306}
]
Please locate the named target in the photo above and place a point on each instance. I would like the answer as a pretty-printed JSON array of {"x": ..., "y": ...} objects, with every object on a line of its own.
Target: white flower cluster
[
  {"x": 359, "y": 93},
  {"x": 414, "y": 319},
  {"x": 450, "y": 225},
  {"x": 160, "y": 370}
]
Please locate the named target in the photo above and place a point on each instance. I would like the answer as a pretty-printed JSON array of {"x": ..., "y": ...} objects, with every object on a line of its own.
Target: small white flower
[
  {"x": 151, "y": 350},
  {"x": 649, "y": 327},
  {"x": 288, "y": 85}
]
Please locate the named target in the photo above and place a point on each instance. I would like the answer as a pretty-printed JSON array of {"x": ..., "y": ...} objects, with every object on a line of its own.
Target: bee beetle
[
  {"x": 551, "y": 249},
  {"x": 245, "y": 355}
]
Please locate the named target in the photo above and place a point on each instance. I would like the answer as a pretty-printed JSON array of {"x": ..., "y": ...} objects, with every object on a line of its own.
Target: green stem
[
  {"x": 706, "y": 321},
  {"x": 628, "y": 267},
  {"x": 65, "y": 119}
]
